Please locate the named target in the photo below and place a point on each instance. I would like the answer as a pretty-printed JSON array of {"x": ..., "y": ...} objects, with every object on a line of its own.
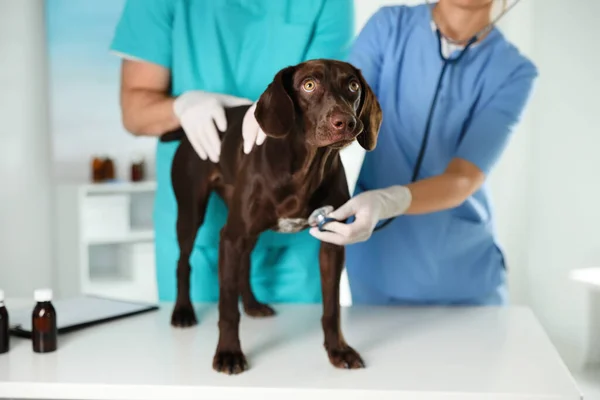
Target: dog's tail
[{"x": 173, "y": 136}]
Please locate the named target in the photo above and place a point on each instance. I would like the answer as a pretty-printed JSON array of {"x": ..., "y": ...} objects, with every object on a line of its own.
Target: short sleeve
[
  {"x": 489, "y": 130},
  {"x": 367, "y": 53},
  {"x": 334, "y": 31},
  {"x": 144, "y": 31}
]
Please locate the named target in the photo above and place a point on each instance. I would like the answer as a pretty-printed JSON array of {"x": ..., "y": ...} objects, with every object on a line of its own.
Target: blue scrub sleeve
[
  {"x": 144, "y": 31},
  {"x": 370, "y": 45},
  {"x": 490, "y": 128},
  {"x": 334, "y": 31}
]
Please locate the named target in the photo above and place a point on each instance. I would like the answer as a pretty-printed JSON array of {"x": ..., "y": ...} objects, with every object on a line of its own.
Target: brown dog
[{"x": 309, "y": 112}]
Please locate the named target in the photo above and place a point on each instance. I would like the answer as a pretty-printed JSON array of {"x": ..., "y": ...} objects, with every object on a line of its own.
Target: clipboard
[{"x": 78, "y": 313}]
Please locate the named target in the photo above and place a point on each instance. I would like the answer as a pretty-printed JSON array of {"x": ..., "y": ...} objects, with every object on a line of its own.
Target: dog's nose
[{"x": 342, "y": 122}]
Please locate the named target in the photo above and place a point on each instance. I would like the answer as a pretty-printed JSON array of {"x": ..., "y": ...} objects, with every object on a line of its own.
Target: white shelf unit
[{"x": 105, "y": 240}]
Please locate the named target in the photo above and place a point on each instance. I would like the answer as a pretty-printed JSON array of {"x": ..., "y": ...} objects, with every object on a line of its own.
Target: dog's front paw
[
  {"x": 345, "y": 357},
  {"x": 230, "y": 362},
  {"x": 258, "y": 310},
  {"x": 183, "y": 316}
]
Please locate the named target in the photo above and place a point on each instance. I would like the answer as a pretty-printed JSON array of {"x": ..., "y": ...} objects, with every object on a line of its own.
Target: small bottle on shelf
[
  {"x": 137, "y": 168},
  {"x": 97, "y": 169},
  {"x": 109, "y": 169},
  {"x": 4, "y": 326},
  {"x": 44, "y": 326}
]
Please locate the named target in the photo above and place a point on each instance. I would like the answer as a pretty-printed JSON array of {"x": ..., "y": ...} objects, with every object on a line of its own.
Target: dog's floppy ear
[
  {"x": 369, "y": 113},
  {"x": 275, "y": 112}
]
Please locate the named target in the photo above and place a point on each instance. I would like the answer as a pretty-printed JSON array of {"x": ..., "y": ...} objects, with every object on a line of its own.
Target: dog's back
[{"x": 189, "y": 170}]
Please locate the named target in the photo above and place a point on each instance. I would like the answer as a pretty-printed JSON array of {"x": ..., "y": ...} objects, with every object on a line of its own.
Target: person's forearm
[
  {"x": 438, "y": 193},
  {"x": 148, "y": 113}
]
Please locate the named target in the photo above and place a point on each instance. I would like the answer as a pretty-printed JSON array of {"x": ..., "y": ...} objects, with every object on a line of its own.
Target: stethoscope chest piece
[{"x": 319, "y": 217}]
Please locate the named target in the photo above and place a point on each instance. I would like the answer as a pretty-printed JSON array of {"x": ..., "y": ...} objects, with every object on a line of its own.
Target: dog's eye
[
  {"x": 309, "y": 85},
  {"x": 354, "y": 86}
]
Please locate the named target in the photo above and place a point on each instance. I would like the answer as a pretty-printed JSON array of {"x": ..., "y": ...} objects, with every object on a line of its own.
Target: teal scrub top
[
  {"x": 233, "y": 47},
  {"x": 451, "y": 256}
]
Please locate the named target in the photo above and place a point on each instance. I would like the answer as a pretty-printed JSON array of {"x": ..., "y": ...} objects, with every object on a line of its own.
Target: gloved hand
[
  {"x": 251, "y": 131},
  {"x": 198, "y": 113},
  {"x": 368, "y": 208}
]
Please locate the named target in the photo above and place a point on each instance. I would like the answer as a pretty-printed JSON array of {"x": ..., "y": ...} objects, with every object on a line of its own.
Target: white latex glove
[
  {"x": 198, "y": 113},
  {"x": 368, "y": 208},
  {"x": 251, "y": 131}
]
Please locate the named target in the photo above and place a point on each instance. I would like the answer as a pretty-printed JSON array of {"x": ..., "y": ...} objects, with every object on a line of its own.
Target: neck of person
[{"x": 459, "y": 23}]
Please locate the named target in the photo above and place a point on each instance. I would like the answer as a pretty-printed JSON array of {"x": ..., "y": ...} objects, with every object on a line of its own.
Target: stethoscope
[
  {"x": 446, "y": 61},
  {"x": 320, "y": 215}
]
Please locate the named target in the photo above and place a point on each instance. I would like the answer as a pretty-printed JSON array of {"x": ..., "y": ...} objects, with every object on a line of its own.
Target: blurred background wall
[{"x": 25, "y": 150}]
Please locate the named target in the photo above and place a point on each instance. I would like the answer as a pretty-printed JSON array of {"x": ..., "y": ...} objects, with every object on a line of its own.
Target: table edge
[{"x": 71, "y": 391}]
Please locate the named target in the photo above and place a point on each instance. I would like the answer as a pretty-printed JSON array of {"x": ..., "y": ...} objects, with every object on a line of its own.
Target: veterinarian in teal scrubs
[{"x": 211, "y": 48}]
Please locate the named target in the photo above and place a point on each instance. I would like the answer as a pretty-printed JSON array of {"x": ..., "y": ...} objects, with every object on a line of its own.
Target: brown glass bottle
[
  {"x": 44, "y": 327},
  {"x": 109, "y": 169},
  {"x": 4, "y": 326},
  {"x": 97, "y": 169},
  {"x": 137, "y": 168}
]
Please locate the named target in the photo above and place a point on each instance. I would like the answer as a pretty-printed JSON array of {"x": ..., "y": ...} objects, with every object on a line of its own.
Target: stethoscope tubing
[{"x": 446, "y": 61}]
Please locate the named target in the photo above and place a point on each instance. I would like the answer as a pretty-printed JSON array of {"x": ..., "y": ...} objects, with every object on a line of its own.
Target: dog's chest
[
  {"x": 291, "y": 225},
  {"x": 292, "y": 215}
]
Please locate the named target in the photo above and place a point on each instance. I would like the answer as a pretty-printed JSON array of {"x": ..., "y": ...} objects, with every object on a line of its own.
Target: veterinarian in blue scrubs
[
  {"x": 183, "y": 58},
  {"x": 441, "y": 248}
]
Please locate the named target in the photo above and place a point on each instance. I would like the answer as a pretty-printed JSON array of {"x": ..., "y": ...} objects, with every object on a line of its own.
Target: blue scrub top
[
  {"x": 234, "y": 47},
  {"x": 452, "y": 256}
]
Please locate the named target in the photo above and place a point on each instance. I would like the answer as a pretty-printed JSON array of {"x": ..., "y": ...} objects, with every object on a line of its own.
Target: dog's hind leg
[
  {"x": 252, "y": 307},
  {"x": 190, "y": 177}
]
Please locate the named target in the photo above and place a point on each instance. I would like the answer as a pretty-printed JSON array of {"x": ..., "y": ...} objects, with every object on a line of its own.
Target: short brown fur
[{"x": 296, "y": 170}]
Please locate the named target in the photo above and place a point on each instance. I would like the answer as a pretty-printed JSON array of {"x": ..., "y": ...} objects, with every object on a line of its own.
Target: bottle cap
[
  {"x": 1, "y": 295},
  {"x": 137, "y": 158},
  {"x": 42, "y": 295}
]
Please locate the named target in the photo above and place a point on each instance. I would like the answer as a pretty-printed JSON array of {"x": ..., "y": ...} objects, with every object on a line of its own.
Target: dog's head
[{"x": 328, "y": 101}]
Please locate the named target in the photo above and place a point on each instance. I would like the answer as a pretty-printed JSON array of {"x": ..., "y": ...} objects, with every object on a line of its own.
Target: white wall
[
  {"x": 565, "y": 190},
  {"x": 25, "y": 197},
  {"x": 84, "y": 79},
  {"x": 510, "y": 180},
  {"x": 546, "y": 187}
]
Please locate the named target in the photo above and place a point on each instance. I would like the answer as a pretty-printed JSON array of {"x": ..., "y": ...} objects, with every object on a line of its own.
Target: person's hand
[
  {"x": 251, "y": 131},
  {"x": 201, "y": 114},
  {"x": 367, "y": 208}
]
